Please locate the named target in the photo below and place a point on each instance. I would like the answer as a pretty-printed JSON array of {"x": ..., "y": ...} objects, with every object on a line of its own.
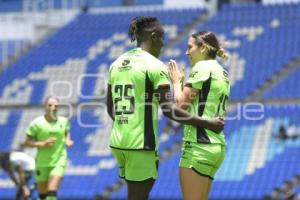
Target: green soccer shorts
[
  {"x": 204, "y": 159},
  {"x": 43, "y": 173},
  {"x": 136, "y": 165}
]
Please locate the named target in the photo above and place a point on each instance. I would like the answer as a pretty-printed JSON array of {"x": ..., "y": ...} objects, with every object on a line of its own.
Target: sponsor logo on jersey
[
  {"x": 125, "y": 62},
  {"x": 125, "y": 66},
  {"x": 122, "y": 120}
]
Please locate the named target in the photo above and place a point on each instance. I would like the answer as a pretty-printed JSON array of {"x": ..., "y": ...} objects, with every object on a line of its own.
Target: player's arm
[
  {"x": 69, "y": 141},
  {"x": 31, "y": 142},
  {"x": 109, "y": 103},
  {"x": 183, "y": 97},
  {"x": 31, "y": 135},
  {"x": 160, "y": 79},
  {"x": 173, "y": 112}
]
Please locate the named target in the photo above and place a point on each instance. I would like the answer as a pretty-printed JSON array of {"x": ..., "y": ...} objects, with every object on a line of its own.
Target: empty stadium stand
[
  {"x": 10, "y": 48},
  {"x": 287, "y": 88},
  {"x": 18, "y": 5},
  {"x": 250, "y": 31}
]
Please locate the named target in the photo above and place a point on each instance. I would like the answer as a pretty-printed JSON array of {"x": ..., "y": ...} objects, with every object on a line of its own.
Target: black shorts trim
[
  {"x": 148, "y": 179},
  {"x": 122, "y": 177},
  {"x": 132, "y": 149},
  {"x": 211, "y": 178}
]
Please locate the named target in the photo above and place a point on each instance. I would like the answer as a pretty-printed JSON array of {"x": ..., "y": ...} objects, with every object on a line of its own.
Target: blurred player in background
[
  {"x": 20, "y": 168},
  {"x": 50, "y": 134},
  {"x": 205, "y": 94},
  {"x": 137, "y": 83}
]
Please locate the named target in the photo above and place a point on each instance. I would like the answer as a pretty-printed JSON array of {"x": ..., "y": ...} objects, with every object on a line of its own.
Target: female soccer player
[
  {"x": 50, "y": 134},
  {"x": 205, "y": 94},
  {"x": 137, "y": 83}
]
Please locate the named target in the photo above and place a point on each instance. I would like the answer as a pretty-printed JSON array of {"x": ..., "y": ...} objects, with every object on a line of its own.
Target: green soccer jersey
[
  {"x": 134, "y": 77},
  {"x": 40, "y": 129},
  {"x": 213, "y": 84}
]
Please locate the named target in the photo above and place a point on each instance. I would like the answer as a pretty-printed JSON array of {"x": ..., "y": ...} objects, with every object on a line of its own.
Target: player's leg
[
  {"x": 53, "y": 185},
  {"x": 54, "y": 181},
  {"x": 219, "y": 155},
  {"x": 208, "y": 189},
  {"x": 198, "y": 165},
  {"x": 42, "y": 175},
  {"x": 139, "y": 190},
  {"x": 193, "y": 185},
  {"x": 43, "y": 189},
  {"x": 141, "y": 170},
  {"x": 18, "y": 192},
  {"x": 120, "y": 157},
  {"x": 31, "y": 183},
  {"x": 26, "y": 192}
]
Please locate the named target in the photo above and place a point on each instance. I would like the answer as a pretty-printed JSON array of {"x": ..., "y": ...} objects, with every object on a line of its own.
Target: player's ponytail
[{"x": 222, "y": 54}]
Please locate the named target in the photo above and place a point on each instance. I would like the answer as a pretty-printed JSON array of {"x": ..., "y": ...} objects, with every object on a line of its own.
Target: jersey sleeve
[
  {"x": 32, "y": 130},
  {"x": 159, "y": 76},
  {"x": 199, "y": 74}
]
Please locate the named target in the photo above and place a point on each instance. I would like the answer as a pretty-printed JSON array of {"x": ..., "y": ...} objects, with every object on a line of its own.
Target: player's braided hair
[
  {"x": 140, "y": 25},
  {"x": 213, "y": 44}
]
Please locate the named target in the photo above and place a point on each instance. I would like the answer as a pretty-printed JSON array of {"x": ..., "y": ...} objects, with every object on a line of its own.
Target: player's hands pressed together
[{"x": 176, "y": 75}]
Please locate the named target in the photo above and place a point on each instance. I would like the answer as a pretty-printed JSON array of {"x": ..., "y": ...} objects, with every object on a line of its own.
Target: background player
[{"x": 50, "y": 134}]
